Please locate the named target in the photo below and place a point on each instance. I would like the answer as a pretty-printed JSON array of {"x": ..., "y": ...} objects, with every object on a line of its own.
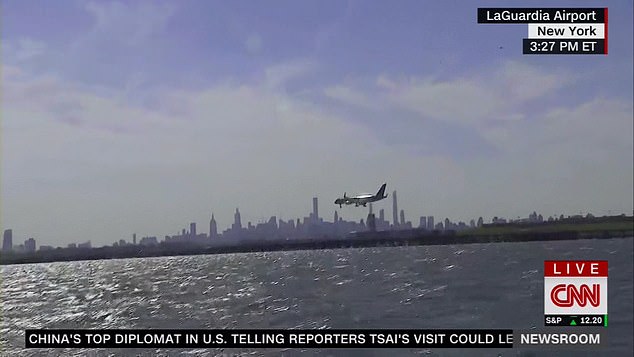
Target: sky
[{"x": 143, "y": 116}]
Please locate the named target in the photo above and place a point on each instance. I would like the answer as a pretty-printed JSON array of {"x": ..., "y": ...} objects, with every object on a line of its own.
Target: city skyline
[
  {"x": 311, "y": 226},
  {"x": 144, "y": 116}
]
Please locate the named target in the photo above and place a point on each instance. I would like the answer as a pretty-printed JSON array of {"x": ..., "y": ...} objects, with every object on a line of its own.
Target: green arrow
[{"x": 573, "y": 323}]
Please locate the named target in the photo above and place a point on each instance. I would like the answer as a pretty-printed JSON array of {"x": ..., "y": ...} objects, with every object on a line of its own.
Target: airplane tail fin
[{"x": 381, "y": 192}]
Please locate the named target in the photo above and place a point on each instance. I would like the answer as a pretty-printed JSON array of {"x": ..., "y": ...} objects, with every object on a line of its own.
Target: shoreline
[{"x": 412, "y": 237}]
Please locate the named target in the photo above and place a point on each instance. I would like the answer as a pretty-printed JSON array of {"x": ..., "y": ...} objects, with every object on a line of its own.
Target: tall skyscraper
[
  {"x": 371, "y": 222},
  {"x": 382, "y": 215},
  {"x": 134, "y": 238},
  {"x": 430, "y": 223},
  {"x": 402, "y": 217},
  {"x": 336, "y": 217},
  {"x": 315, "y": 210},
  {"x": 213, "y": 228},
  {"x": 394, "y": 210},
  {"x": 192, "y": 229},
  {"x": 7, "y": 240},
  {"x": 236, "y": 220}
]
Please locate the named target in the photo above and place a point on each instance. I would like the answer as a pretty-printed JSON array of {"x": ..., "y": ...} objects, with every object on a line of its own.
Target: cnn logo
[
  {"x": 567, "y": 295},
  {"x": 575, "y": 287}
]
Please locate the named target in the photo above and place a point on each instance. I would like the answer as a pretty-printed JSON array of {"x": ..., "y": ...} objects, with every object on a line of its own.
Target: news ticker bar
[
  {"x": 555, "y": 31},
  {"x": 278, "y": 338},
  {"x": 576, "y": 320}
]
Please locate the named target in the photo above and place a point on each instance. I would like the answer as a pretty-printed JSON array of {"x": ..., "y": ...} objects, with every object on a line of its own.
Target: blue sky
[{"x": 123, "y": 117}]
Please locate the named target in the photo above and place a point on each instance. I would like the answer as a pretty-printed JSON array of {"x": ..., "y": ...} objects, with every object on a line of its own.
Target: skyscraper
[
  {"x": 336, "y": 217},
  {"x": 192, "y": 229},
  {"x": 371, "y": 222},
  {"x": 394, "y": 210},
  {"x": 7, "y": 240},
  {"x": 430, "y": 223},
  {"x": 237, "y": 223},
  {"x": 423, "y": 222},
  {"x": 402, "y": 217},
  {"x": 29, "y": 245},
  {"x": 213, "y": 228},
  {"x": 382, "y": 215},
  {"x": 370, "y": 212},
  {"x": 134, "y": 238},
  {"x": 315, "y": 210}
]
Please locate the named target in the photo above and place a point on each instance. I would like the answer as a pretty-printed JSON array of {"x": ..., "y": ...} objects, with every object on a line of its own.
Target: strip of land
[{"x": 616, "y": 227}]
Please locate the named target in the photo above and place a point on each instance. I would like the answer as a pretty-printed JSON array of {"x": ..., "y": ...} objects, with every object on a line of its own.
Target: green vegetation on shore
[{"x": 626, "y": 225}]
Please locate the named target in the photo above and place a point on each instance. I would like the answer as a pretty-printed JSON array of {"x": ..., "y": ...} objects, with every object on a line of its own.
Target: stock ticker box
[{"x": 576, "y": 293}]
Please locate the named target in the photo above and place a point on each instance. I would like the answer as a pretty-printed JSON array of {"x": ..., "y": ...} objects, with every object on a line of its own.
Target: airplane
[{"x": 363, "y": 199}]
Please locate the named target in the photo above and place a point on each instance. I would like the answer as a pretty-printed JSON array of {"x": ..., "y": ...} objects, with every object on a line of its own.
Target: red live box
[{"x": 580, "y": 268}]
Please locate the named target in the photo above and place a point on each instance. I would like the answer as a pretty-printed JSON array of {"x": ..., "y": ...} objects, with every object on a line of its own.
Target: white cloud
[
  {"x": 473, "y": 100},
  {"x": 278, "y": 75},
  {"x": 348, "y": 95}
]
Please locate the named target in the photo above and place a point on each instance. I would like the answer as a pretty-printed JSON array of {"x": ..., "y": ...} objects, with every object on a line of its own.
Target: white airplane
[{"x": 363, "y": 199}]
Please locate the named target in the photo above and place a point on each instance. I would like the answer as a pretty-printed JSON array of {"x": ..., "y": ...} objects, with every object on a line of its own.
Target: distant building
[
  {"x": 72, "y": 245},
  {"x": 84, "y": 245},
  {"x": 148, "y": 241},
  {"x": 371, "y": 222},
  {"x": 134, "y": 238},
  {"x": 315, "y": 210},
  {"x": 273, "y": 222},
  {"x": 480, "y": 222},
  {"x": 382, "y": 215},
  {"x": 237, "y": 222},
  {"x": 394, "y": 209},
  {"x": 336, "y": 218},
  {"x": 29, "y": 245},
  {"x": 402, "y": 217},
  {"x": 7, "y": 240},
  {"x": 192, "y": 229},
  {"x": 213, "y": 228},
  {"x": 422, "y": 222},
  {"x": 46, "y": 247},
  {"x": 430, "y": 223}
]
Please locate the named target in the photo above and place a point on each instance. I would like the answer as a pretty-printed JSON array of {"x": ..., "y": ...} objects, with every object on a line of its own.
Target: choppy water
[{"x": 463, "y": 286}]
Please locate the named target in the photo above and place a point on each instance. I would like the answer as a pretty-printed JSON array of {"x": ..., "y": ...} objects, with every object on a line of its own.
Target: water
[{"x": 464, "y": 286}]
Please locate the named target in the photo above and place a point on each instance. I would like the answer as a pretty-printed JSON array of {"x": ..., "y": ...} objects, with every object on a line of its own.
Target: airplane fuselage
[{"x": 363, "y": 199}]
